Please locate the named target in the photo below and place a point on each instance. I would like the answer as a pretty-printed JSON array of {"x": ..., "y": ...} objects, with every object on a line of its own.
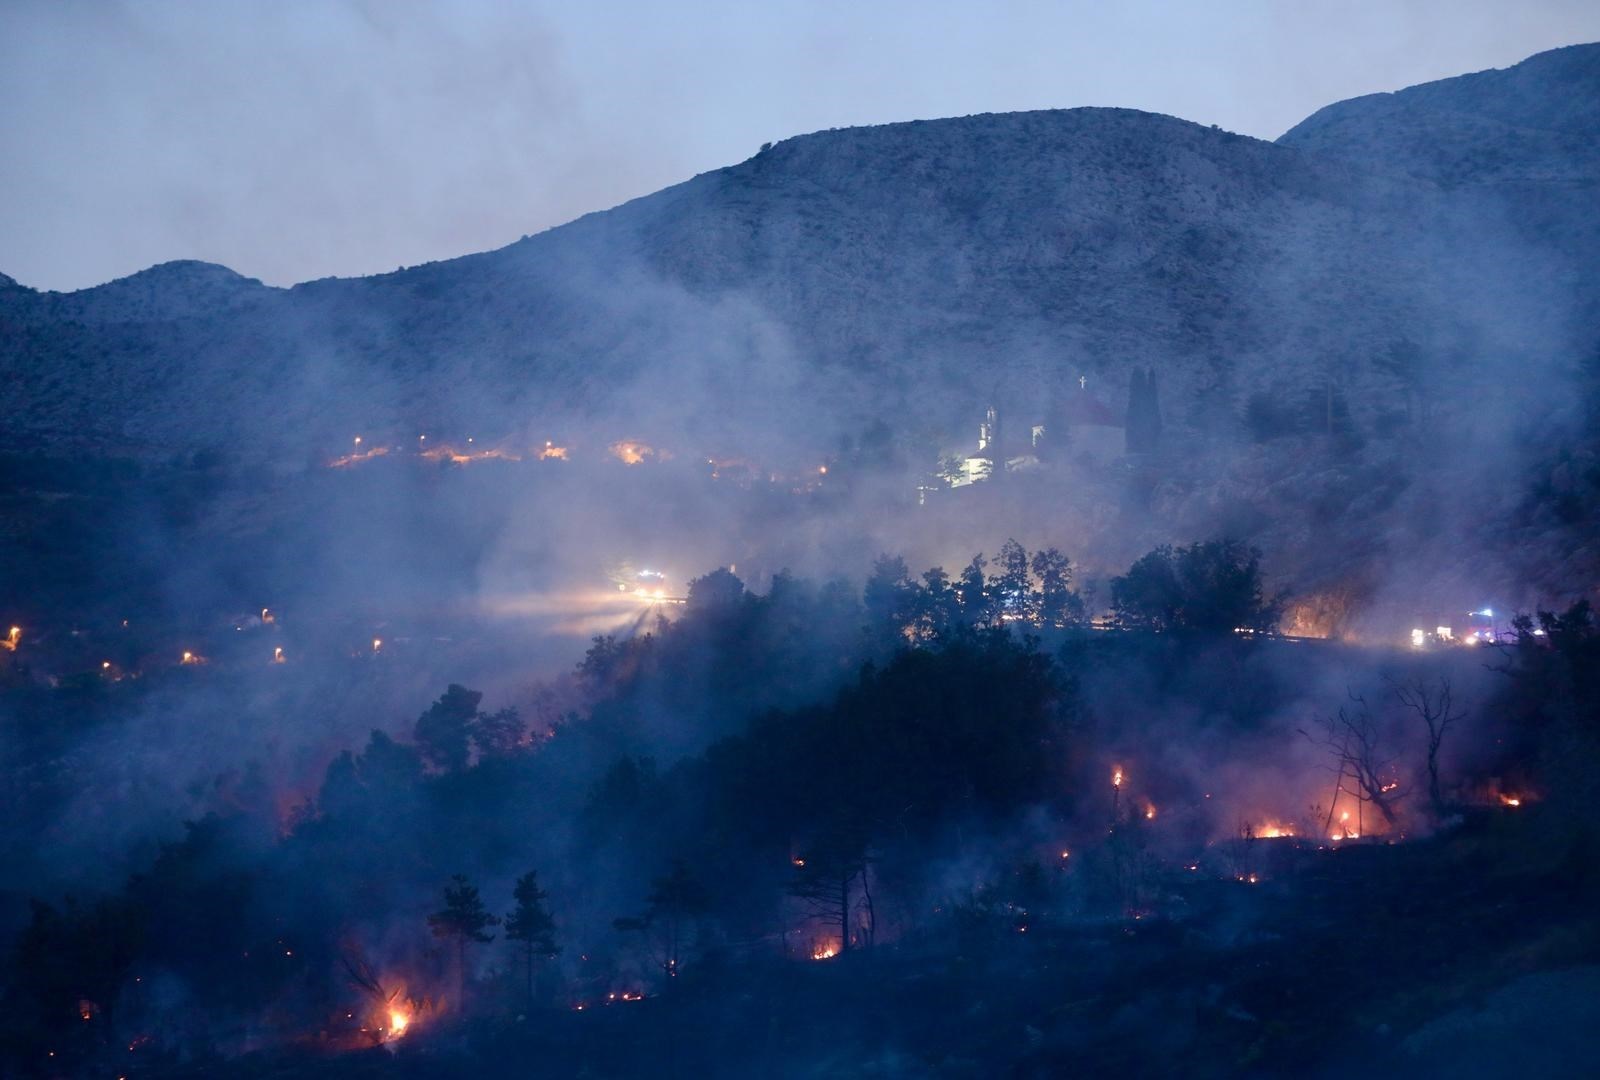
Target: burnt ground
[{"x": 1476, "y": 952}]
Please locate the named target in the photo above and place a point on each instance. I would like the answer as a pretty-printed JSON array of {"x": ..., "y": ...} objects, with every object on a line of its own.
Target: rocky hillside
[
  {"x": 911, "y": 269},
  {"x": 1423, "y": 263},
  {"x": 1539, "y": 120}
]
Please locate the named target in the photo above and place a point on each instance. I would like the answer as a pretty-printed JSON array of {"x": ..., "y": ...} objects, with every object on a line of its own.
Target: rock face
[{"x": 1401, "y": 269}]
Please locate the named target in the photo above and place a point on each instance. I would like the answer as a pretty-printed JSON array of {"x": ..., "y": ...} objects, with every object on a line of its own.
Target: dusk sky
[{"x": 292, "y": 141}]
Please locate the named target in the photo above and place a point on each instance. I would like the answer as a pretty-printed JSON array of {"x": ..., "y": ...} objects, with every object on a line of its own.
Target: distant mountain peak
[
  {"x": 1536, "y": 120},
  {"x": 186, "y": 271}
]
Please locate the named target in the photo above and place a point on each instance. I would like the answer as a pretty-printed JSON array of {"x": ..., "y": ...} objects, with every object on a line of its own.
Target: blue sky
[{"x": 292, "y": 140}]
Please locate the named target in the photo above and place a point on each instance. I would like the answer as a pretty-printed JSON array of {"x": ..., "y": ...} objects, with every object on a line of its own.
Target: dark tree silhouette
[
  {"x": 462, "y": 919},
  {"x": 443, "y": 733},
  {"x": 827, "y": 877},
  {"x": 1365, "y": 770},
  {"x": 497, "y": 734},
  {"x": 1214, "y": 587},
  {"x": 977, "y": 601},
  {"x": 718, "y": 593},
  {"x": 672, "y": 912},
  {"x": 1058, "y": 605},
  {"x": 530, "y": 924},
  {"x": 1434, "y": 705},
  {"x": 1012, "y": 586},
  {"x": 1143, "y": 426},
  {"x": 889, "y": 597},
  {"x": 938, "y": 605}
]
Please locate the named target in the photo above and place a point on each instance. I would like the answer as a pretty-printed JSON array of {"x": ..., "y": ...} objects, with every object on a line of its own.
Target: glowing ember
[
  {"x": 358, "y": 457},
  {"x": 1116, "y": 776},
  {"x": 1149, "y": 811},
  {"x": 192, "y": 658},
  {"x": 10, "y": 641},
  {"x": 552, "y": 452},
  {"x": 277, "y": 655},
  {"x": 377, "y": 643},
  {"x": 633, "y": 452},
  {"x": 1510, "y": 800},
  {"x": 463, "y": 457}
]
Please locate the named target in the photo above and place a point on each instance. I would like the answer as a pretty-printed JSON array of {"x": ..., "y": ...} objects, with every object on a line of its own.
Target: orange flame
[
  {"x": 632, "y": 452},
  {"x": 358, "y": 457}
]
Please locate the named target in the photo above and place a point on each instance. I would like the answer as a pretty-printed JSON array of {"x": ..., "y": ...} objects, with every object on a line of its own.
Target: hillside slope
[{"x": 1427, "y": 259}]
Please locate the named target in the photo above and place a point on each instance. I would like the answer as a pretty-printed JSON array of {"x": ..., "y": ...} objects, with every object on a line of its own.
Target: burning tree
[
  {"x": 462, "y": 919},
  {"x": 1434, "y": 706},
  {"x": 395, "y": 1012},
  {"x": 826, "y": 880},
  {"x": 1353, "y": 738},
  {"x": 531, "y": 925},
  {"x": 675, "y": 905}
]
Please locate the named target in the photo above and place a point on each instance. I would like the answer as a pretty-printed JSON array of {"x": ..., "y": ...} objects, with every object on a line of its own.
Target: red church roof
[{"x": 1083, "y": 409}]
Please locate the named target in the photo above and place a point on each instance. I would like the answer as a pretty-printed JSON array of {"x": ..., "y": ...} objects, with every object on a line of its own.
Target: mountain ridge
[{"x": 1435, "y": 274}]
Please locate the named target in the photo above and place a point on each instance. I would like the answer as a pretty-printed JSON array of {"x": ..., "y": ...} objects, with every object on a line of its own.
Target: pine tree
[
  {"x": 462, "y": 919},
  {"x": 530, "y": 924},
  {"x": 1153, "y": 410},
  {"x": 1143, "y": 430}
]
